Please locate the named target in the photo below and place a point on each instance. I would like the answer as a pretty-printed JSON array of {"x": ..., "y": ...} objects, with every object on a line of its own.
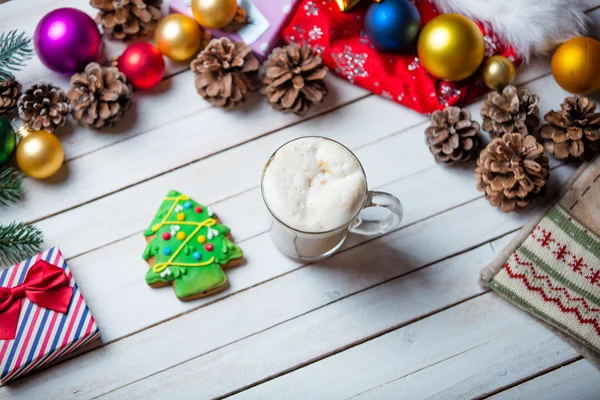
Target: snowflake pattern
[
  {"x": 311, "y": 9},
  {"x": 491, "y": 45},
  {"x": 349, "y": 64},
  {"x": 447, "y": 93},
  {"x": 414, "y": 64},
  {"x": 319, "y": 48},
  {"x": 315, "y": 33}
]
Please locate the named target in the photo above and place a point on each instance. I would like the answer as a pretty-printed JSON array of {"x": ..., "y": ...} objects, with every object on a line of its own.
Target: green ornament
[{"x": 8, "y": 140}]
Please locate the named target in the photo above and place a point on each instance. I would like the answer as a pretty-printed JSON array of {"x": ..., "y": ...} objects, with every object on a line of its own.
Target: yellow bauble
[
  {"x": 451, "y": 47},
  {"x": 215, "y": 14},
  {"x": 576, "y": 65},
  {"x": 497, "y": 72},
  {"x": 178, "y": 37},
  {"x": 40, "y": 154}
]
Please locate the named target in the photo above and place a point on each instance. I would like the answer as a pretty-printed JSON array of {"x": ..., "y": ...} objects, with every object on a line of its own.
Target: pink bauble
[{"x": 66, "y": 40}]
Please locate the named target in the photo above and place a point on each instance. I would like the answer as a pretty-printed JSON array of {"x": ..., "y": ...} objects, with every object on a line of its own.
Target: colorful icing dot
[
  {"x": 180, "y": 235},
  {"x": 198, "y": 209},
  {"x": 201, "y": 239},
  {"x": 180, "y": 216},
  {"x": 166, "y": 236},
  {"x": 197, "y": 255},
  {"x": 208, "y": 247},
  {"x": 167, "y": 251},
  {"x": 187, "y": 205}
]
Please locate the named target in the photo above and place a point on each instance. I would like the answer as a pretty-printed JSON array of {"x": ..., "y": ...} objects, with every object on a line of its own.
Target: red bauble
[{"x": 142, "y": 64}]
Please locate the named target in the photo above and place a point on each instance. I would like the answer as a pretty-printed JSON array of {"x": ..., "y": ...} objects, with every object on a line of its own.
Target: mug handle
[{"x": 374, "y": 227}]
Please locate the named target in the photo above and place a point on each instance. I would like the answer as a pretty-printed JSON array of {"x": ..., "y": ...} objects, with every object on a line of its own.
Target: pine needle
[
  {"x": 10, "y": 186},
  {"x": 19, "y": 241},
  {"x": 15, "y": 49}
]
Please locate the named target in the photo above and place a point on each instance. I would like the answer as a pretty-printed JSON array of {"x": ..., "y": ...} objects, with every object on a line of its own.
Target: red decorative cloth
[
  {"x": 342, "y": 42},
  {"x": 45, "y": 285}
]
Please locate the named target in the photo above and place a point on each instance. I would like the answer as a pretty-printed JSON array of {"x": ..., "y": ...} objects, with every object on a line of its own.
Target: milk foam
[{"x": 314, "y": 185}]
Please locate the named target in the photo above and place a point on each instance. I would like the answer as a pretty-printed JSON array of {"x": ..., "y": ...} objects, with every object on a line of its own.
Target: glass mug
[{"x": 314, "y": 246}]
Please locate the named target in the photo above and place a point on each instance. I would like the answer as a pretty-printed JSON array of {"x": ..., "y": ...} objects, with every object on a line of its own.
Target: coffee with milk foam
[{"x": 314, "y": 185}]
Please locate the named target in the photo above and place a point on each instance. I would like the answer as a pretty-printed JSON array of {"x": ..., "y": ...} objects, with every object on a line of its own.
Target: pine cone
[
  {"x": 512, "y": 171},
  {"x": 224, "y": 72},
  {"x": 10, "y": 90},
  {"x": 127, "y": 19},
  {"x": 572, "y": 131},
  {"x": 513, "y": 110},
  {"x": 44, "y": 106},
  {"x": 293, "y": 79},
  {"x": 452, "y": 137},
  {"x": 99, "y": 96}
]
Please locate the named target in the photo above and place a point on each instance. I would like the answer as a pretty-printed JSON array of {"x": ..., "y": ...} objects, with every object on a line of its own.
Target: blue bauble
[{"x": 393, "y": 25}]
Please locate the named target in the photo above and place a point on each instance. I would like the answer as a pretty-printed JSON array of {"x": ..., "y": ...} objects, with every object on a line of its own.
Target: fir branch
[
  {"x": 19, "y": 241},
  {"x": 15, "y": 49},
  {"x": 10, "y": 186}
]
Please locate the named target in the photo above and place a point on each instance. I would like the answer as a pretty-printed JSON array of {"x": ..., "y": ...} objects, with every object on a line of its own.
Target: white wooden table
[{"x": 399, "y": 316}]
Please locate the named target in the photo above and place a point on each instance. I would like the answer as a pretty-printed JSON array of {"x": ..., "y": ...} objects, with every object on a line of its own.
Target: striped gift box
[{"x": 43, "y": 335}]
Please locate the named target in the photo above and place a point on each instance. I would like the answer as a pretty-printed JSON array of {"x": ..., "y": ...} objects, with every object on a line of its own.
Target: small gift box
[
  {"x": 266, "y": 20},
  {"x": 43, "y": 315}
]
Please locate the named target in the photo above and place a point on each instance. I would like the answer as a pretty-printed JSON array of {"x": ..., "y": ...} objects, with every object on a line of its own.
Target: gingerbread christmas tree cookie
[{"x": 188, "y": 248}]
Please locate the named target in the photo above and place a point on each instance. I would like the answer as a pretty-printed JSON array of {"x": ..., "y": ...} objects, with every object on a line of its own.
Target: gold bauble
[
  {"x": 576, "y": 65},
  {"x": 497, "y": 72},
  {"x": 215, "y": 14},
  {"x": 451, "y": 47},
  {"x": 178, "y": 37},
  {"x": 39, "y": 154}
]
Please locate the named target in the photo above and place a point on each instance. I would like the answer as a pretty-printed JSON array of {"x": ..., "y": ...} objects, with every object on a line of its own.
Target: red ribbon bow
[{"x": 45, "y": 285}]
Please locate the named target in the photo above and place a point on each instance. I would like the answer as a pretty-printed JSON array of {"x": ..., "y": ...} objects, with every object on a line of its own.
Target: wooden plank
[
  {"x": 579, "y": 380},
  {"x": 351, "y": 319},
  {"x": 480, "y": 324},
  {"x": 170, "y": 343},
  {"x": 475, "y": 372}
]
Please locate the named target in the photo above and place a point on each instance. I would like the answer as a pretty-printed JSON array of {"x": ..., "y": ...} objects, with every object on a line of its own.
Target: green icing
[{"x": 194, "y": 276}]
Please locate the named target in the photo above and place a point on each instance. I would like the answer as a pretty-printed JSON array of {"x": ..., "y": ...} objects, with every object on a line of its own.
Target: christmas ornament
[
  {"x": 99, "y": 96},
  {"x": 572, "y": 131},
  {"x": 293, "y": 79},
  {"x": 127, "y": 19},
  {"x": 575, "y": 65},
  {"x": 513, "y": 110},
  {"x": 512, "y": 171},
  {"x": 66, "y": 40},
  {"x": 216, "y": 14},
  {"x": 393, "y": 25},
  {"x": 452, "y": 136},
  {"x": 142, "y": 64},
  {"x": 10, "y": 90},
  {"x": 497, "y": 72},
  {"x": 225, "y": 72},
  {"x": 178, "y": 37},
  {"x": 531, "y": 27},
  {"x": 8, "y": 140},
  {"x": 451, "y": 47},
  {"x": 39, "y": 153},
  {"x": 44, "y": 106}
]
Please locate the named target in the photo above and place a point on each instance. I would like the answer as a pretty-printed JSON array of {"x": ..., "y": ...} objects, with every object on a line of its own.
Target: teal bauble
[
  {"x": 8, "y": 140},
  {"x": 393, "y": 25}
]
